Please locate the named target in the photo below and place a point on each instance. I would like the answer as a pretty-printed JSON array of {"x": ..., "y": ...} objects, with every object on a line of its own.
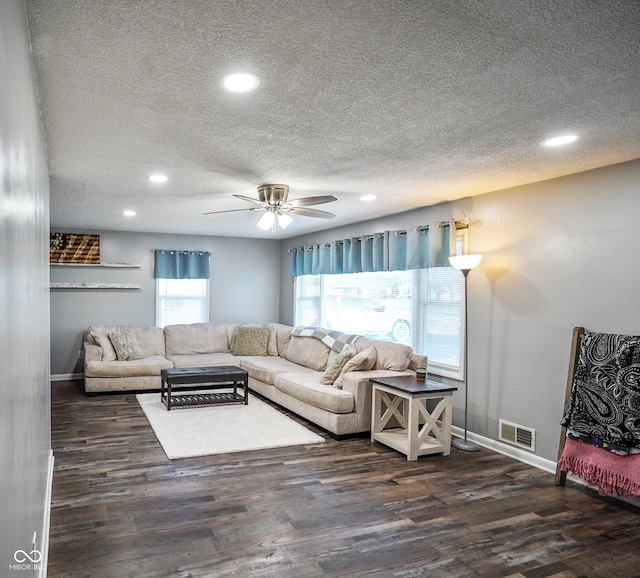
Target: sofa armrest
[
  {"x": 92, "y": 352},
  {"x": 358, "y": 383}
]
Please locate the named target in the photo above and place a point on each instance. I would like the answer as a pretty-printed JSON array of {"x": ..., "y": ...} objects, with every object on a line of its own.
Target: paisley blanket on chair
[{"x": 605, "y": 395}]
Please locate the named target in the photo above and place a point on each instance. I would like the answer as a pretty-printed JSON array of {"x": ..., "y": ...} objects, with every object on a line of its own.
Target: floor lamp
[{"x": 465, "y": 263}]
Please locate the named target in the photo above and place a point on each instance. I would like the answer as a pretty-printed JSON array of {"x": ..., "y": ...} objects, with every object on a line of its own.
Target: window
[
  {"x": 182, "y": 301},
  {"x": 421, "y": 308}
]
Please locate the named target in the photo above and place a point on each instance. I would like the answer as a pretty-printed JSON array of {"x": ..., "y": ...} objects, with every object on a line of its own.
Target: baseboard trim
[
  {"x": 527, "y": 458},
  {"x": 46, "y": 522},
  {"x": 67, "y": 376},
  {"x": 541, "y": 463}
]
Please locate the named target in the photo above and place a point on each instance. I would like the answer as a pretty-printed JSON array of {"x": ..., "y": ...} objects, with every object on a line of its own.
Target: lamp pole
[{"x": 465, "y": 263}]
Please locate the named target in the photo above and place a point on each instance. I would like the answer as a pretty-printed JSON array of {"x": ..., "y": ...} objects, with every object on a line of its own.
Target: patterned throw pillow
[
  {"x": 251, "y": 340},
  {"x": 126, "y": 345},
  {"x": 333, "y": 370}
]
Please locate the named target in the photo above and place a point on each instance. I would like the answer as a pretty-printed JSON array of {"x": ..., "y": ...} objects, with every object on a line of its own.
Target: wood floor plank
[{"x": 351, "y": 508}]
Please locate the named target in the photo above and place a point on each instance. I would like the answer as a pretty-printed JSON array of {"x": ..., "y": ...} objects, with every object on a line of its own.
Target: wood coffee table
[
  {"x": 418, "y": 431},
  {"x": 197, "y": 378}
]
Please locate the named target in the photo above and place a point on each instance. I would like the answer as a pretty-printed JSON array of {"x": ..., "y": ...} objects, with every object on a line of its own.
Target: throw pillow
[
  {"x": 251, "y": 341},
  {"x": 126, "y": 345},
  {"x": 234, "y": 333},
  {"x": 333, "y": 369},
  {"x": 363, "y": 361},
  {"x": 308, "y": 352},
  {"x": 102, "y": 339}
]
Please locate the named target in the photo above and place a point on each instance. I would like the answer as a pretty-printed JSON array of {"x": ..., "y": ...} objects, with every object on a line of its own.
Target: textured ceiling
[{"x": 414, "y": 101}]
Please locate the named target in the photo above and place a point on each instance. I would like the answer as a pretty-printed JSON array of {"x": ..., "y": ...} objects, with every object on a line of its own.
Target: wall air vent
[{"x": 518, "y": 435}]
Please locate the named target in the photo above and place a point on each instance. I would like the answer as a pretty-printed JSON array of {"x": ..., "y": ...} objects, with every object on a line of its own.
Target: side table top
[{"x": 410, "y": 384}]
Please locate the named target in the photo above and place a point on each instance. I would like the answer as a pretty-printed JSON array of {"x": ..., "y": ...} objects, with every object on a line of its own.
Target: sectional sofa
[{"x": 285, "y": 364}]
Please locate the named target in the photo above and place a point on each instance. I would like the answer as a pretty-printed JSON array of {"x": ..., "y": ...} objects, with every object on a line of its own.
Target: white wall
[
  {"x": 557, "y": 254},
  {"x": 245, "y": 284},
  {"x": 25, "y": 442}
]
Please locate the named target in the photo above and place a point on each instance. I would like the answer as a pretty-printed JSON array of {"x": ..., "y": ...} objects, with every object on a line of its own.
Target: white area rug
[{"x": 202, "y": 431}]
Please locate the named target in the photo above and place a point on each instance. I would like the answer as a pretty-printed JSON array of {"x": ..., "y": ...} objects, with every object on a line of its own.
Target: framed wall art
[{"x": 72, "y": 248}]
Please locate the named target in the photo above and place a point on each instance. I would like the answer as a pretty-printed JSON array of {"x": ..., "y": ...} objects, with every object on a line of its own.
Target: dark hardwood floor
[{"x": 342, "y": 508}]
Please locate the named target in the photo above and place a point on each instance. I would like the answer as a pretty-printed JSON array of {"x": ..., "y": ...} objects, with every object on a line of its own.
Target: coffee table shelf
[{"x": 219, "y": 398}]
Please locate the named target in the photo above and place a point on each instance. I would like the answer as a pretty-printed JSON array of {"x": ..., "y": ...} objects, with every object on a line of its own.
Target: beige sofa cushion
[
  {"x": 204, "y": 359},
  {"x": 266, "y": 369},
  {"x": 308, "y": 351},
  {"x": 184, "y": 339},
  {"x": 149, "y": 338},
  {"x": 389, "y": 355},
  {"x": 147, "y": 366},
  {"x": 307, "y": 388},
  {"x": 279, "y": 336}
]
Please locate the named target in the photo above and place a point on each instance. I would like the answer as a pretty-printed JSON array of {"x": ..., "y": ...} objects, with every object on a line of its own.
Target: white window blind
[{"x": 182, "y": 301}]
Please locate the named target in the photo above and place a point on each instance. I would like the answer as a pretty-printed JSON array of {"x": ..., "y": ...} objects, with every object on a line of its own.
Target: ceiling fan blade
[
  {"x": 244, "y": 198},
  {"x": 232, "y": 211},
  {"x": 304, "y": 202},
  {"x": 311, "y": 213}
]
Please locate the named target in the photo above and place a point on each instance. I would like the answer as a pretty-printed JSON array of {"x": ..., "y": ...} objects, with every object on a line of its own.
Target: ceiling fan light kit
[
  {"x": 273, "y": 200},
  {"x": 284, "y": 220},
  {"x": 267, "y": 221}
]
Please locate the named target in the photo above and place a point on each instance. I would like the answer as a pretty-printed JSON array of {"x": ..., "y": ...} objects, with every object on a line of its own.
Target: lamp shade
[
  {"x": 284, "y": 220},
  {"x": 465, "y": 262},
  {"x": 266, "y": 221}
]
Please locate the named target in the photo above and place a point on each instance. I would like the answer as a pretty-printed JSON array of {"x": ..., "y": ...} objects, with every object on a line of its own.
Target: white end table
[{"x": 416, "y": 431}]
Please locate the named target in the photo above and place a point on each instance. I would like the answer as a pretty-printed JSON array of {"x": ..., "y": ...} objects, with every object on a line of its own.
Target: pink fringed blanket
[{"x": 613, "y": 475}]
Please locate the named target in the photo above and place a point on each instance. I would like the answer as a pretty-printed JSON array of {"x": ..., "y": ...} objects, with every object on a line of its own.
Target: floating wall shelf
[
  {"x": 94, "y": 286},
  {"x": 103, "y": 265}
]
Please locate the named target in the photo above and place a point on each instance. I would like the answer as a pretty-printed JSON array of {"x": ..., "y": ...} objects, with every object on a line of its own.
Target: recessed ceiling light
[
  {"x": 560, "y": 140},
  {"x": 158, "y": 178},
  {"x": 129, "y": 213},
  {"x": 368, "y": 198},
  {"x": 241, "y": 82}
]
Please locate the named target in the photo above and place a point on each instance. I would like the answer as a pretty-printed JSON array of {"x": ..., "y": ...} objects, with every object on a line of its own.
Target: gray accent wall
[
  {"x": 244, "y": 286},
  {"x": 25, "y": 440},
  {"x": 557, "y": 254}
]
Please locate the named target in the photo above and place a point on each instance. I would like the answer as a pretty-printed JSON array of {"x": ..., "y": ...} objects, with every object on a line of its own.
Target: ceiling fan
[{"x": 273, "y": 200}]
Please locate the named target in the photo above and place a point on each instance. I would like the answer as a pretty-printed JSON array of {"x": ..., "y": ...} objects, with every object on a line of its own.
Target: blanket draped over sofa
[
  {"x": 335, "y": 340},
  {"x": 284, "y": 365}
]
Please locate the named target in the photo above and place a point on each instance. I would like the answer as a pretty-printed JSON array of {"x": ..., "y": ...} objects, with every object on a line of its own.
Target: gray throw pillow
[
  {"x": 363, "y": 361},
  {"x": 333, "y": 369}
]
